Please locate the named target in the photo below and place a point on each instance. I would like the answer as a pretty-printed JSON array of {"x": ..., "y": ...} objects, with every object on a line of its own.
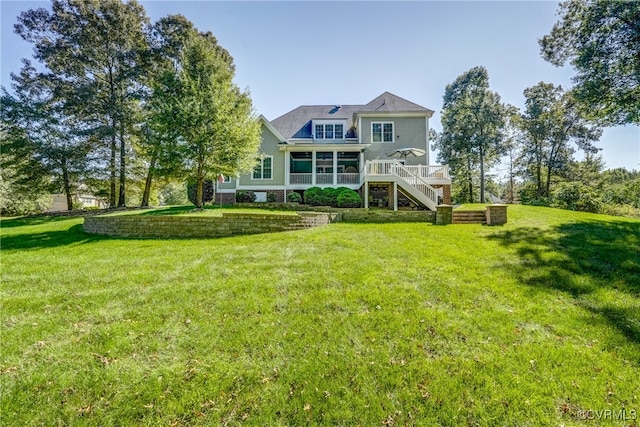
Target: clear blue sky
[{"x": 294, "y": 53}]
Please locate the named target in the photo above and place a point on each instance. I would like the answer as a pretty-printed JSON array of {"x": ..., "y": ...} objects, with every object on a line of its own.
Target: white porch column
[
  {"x": 287, "y": 167},
  {"x": 313, "y": 168},
  {"x": 395, "y": 196},
  {"x": 335, "y": 168},
  {"x": 362, "y": 170}
]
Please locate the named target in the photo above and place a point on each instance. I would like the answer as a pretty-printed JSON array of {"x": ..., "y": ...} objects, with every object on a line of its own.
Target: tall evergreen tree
[
  {"x": 215, "y": 118},
  {"x": 44, "y": 133},
  {"x": 473, "y": 123},
  {"x": 99, "y": 48},
  {"x": 158, "y": 142}
]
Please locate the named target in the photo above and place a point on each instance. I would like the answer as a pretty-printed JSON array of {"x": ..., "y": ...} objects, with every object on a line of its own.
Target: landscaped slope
[{"x": 531, "y": 323}]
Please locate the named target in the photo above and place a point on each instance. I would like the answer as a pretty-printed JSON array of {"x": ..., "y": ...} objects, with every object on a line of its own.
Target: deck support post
[
  {"x": 366, "y": 194},
  {"x": 395, "y": 196}
]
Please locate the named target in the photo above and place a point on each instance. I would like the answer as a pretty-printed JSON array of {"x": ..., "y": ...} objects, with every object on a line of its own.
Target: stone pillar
[
  {"x": 444, "y": 214},
  {"x": 496, "y": 214}
]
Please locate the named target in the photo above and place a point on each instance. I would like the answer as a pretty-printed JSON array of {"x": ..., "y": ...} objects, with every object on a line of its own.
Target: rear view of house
[{"x": 380, "y": 149}]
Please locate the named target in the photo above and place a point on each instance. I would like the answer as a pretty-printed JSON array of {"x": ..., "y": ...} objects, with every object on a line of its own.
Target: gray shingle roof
[
  {"x": 388, "y": 102},
  {"x": 297, "y": 123}
]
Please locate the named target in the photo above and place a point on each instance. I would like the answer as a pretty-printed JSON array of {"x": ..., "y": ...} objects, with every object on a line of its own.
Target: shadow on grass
[
  {"x": 580, "y": 259},
  {"x": 49, "y": 239}
]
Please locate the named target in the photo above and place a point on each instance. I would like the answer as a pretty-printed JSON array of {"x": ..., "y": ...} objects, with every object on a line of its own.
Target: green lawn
[{"x": 527, "y": 324}]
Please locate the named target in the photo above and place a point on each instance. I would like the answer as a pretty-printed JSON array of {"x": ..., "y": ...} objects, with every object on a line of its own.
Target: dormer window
[{"x": 328, "y": 130}]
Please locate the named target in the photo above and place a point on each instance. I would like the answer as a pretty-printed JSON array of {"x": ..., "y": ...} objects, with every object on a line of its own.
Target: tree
[
  {"x": 549, "y": 125},
  {"x": 41, "y": 131},
  {"x": 601, "y": 38},
  {"x": 473, "y": 124},
  {"x": 99, "y": 48},
  {"x": 158, "y": 142},
  {"x": 23, "y": 182},
  {"x": 215, "y": 118}
]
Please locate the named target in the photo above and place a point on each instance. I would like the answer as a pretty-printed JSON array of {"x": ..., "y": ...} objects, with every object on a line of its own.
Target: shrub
[
  {"x": 245, "y": 196},
  {"x": 313, "y": 196},
  {"x": 330, "y": 196},
  {"x": 575, "y": 196},
  {"x": 621, "y": 210},
  {"x": 208, "y": 191},
  {"x": 349, "y": 199},
  {"x": 294, "y": 197},
  {"x": 272, "y": 197},
  {"x": 173, "y": 194}
]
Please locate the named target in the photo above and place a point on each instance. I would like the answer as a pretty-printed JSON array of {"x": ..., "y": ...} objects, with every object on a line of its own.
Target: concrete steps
[{"x": 469, "y": 217}]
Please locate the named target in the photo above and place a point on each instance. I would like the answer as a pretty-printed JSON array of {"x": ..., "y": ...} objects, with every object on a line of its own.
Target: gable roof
[
  {"x": 273, "y": 130},
  {"x": 388, "y": 102},
  {"x": 297, "y": 122}
]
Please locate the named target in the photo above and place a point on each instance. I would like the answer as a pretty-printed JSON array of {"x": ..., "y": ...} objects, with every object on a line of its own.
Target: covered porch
[{"x": 324, "y": 168}]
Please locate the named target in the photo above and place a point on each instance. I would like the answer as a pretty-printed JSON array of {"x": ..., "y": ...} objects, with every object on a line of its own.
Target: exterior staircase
[
  {"x": 415, "y": 187},
  {"x": 469, "y": 217},
  {"x": 409, "y": 180}
]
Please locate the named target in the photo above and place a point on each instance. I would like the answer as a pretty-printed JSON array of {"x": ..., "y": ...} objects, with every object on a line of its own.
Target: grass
[
  {"x": 208, "y": 210},
  {"x": 350, "y": 324}
]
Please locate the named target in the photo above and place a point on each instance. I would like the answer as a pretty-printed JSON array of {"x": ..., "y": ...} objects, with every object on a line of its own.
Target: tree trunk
[
  {"x": 199, "y": 185},
  {"x": 511, "y": 177},
  {"x": 552, "y": 159},
  {"x": 67, "y": 185},
  {"x": 147, "y": 183},
  {"x": 481, "y": 175},
  {"x": 112, "y": 160},
  {"x": 112, "y": 167},
  {"x": 548, "y": 183},
  {"x": 470, "y": 179},
  {"x": 538, "y": 175},
  {"x": 121, "y": 200}
]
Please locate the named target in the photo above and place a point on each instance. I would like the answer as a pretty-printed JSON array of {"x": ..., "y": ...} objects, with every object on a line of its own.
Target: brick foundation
[{"x": 225, "y": 198}]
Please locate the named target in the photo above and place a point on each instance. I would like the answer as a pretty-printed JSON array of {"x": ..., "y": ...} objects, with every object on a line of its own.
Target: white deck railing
[
  {"x": 384, "y": 167},
  {"x": 415, "y": 176},
  {"x": 416, "y": 182},
  {"x": 300, "y": 178},
  {"x": 349, "y": 178},
  {"x": 325, "y": 178},
  {"x": 429, "y": 171}
]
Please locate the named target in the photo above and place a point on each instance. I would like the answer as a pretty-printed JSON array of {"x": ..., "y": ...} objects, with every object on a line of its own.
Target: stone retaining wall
[
  {"x": 229, "y": 224},
  {"x": 383, "y": 216}
]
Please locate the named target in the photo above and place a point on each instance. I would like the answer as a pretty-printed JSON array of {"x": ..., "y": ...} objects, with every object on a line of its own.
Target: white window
[
  {"x": 382, "y": 132},
  {"x": 328, "y": 131},
  {"x": 263, "y": 169}
]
